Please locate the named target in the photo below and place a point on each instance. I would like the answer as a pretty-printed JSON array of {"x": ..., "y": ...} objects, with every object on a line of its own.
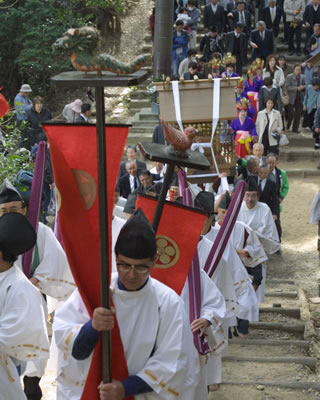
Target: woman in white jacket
[
  {"x": 269, "y": 128},
  {"x": 275, "y": 72}
]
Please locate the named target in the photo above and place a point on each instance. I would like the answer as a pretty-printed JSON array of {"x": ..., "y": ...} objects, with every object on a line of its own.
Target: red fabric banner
[
  {"x": 177, "y": 239},
  {"x": 73, "y": 151},
  {"x": 4, "y": 106}
]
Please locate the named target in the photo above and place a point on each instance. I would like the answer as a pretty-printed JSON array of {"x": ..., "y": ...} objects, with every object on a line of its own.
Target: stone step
[
  {"x": 279, "y": 282},
  {"x": 246, "y": 350},
  {"x": 281, "y": 293},
  {"x": 299, "y": 140},
  {"x": 304, "y": 344},
  {"x": 149, "y": 117},
  {"x": 147, "y": 48},
  {"x": 294, "y": 385},
  {"x": 292, "y": 312},
  {"x": 292, "y": 153},
  {"x": 302, "y": 173},
  {"x": 141, "y": 130},
  {"x": 307, "y": 361},
  {"x": 144, "y": 124},
  {"x": 139, "y": 94},
  {"x": 296, "y": 327},
  {"x": 139, "y": 103}
]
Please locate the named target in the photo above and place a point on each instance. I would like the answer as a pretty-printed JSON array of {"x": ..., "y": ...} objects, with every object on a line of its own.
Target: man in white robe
[
  {"x": 259, "y": 218},
  {"x": 158, "y": 346},
  {"x": 23, "y": 330},
  {"x": 50, "y": 273}
]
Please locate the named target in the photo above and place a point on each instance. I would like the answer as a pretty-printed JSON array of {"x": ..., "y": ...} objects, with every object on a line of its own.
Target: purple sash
[
  {"x": 35, "y": 201},
  {"x": 194, "y": 280},
  {"x": 225, "y": 231}
]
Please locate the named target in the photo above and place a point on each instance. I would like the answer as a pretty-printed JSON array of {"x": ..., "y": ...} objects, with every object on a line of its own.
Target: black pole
[
  {"x": 103, "y": 230},
  {"x": 163, "y": 32},
  {"x": 162, "y": 196}
]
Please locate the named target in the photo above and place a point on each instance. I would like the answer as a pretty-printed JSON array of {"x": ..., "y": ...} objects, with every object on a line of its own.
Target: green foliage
[
  {"x": 116, "y": 5},
  {"x": 12, "y": 159}
]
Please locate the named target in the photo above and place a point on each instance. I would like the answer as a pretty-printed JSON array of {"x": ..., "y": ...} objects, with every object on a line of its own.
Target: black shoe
[
  {"x": 316, "y": 146},
  {"x": 298, "y": 53},
  {"x": 295, "y": 131},
  {"x": 291, "y": 53}
]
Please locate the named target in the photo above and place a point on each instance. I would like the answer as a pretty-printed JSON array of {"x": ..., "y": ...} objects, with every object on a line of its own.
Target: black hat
[
  {"x": 225, "y": 201},
  {"x": 315, "y": 81},
  {"x": 130, "y": 205},
  {"x": 252, "y": 184},
  {"x": 137, "y": 238},
  {"x": 205, "y": 201},
  {"x": 9, "y": 193},
  {"x": 16, "y": 234}
]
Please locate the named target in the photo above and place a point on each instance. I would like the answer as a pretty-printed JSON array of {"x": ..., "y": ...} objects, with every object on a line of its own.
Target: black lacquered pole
[
  {"x": 162, "y": 196},
  {"x": 103, "y": 229}
]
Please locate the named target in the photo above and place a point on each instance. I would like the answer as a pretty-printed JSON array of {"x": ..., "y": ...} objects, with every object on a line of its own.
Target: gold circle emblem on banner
[
  {"x": 87, "y": 187},
  {"x": 168, "y": 252},
  {"x": 58, "y": 198}
]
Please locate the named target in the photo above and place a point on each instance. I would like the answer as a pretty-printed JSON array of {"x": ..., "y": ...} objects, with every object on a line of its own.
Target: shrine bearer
[
  {"x": 259, "y": 218},
  {"x": 23, "y": 330},
  {"x": 158, "y": 346}
]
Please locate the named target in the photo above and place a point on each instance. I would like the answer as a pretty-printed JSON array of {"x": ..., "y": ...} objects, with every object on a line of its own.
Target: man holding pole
[{"x": 158, "y": 358}]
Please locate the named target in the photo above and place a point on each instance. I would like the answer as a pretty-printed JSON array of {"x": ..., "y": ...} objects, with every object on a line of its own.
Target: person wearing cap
[
  {"x": 233, "y": 281},
  {"x": 22, "y": 103},
  {"x": 50, "y": 272},
  {"x": 23, "y": 333},
  {"x": 245, "y": 242},
  {"x": 259, "y": 218},
  {"x": 310, "y": 104},
  {"x": 156, "y": 336},
  {"x": 71, "y": 111}
]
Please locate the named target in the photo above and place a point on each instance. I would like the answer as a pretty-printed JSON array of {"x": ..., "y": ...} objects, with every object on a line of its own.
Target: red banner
[
  {"x": 177, "y": 239},
  {"x": 4, "y": 106},
  {"x": 73, "y": 151}
]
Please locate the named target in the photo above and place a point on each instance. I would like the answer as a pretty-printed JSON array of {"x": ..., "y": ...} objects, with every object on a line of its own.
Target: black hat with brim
[
  {"x": 9, "y": 193},
  {"x": 205, "y": 201},
  {"x": 225, "y": 201},
  {"x": 137, "y": 238},
  {"x": 252, "y": 184},
  {"x": 17, "y": 235}
]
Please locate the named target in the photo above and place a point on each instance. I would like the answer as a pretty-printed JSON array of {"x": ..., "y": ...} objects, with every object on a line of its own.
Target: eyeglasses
[
  {"x": 9, "y": 210},
  {"x": 140, "y": 269}
]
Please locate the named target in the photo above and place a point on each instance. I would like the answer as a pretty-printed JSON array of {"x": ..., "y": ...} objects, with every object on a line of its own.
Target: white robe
[
  {"x": 260, "y": 220},
  {"x": 151, "y": 321},
  {"x": 117, "y": 224},
  {"x": 23, "y": 330},
  {"x": 213, "y": 309},
  {"x": 240, "y": 280},
  {"x": 253, "y": 245},
  {"x": 53, "y": 272}
]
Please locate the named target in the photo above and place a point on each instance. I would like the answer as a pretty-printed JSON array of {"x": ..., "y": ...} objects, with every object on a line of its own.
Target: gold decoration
[
  {"x": 87, "y": 187},
  {"x": 229, "y": 59},
  {"x": 168, "y": 252}
]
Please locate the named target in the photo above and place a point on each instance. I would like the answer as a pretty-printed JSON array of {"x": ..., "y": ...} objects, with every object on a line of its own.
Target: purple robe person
[
  {"x": 243, "y": 145},
  {"x": 251, "y": 86},
  {"x": 233, "y": 75},
  {"x": 259, "y": 82}
]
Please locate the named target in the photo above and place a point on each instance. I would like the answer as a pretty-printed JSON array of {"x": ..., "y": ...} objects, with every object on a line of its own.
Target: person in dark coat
[
  {"x": 242, "y": 16},
  {"x": 261, "y": 42},
  {"x": 193, "y": 71},
  {"x": 271, "y": 15},
  {"x": 37, "y": 115},
  {"x": 214, "y": 15},
  {"x": 132, "y": 154},
  {"x": 236, "y": 43},
  {"x": 211, "y": 43},
  {"x": 311, "y": 16},
  {"x": 270, "y": 91}
]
